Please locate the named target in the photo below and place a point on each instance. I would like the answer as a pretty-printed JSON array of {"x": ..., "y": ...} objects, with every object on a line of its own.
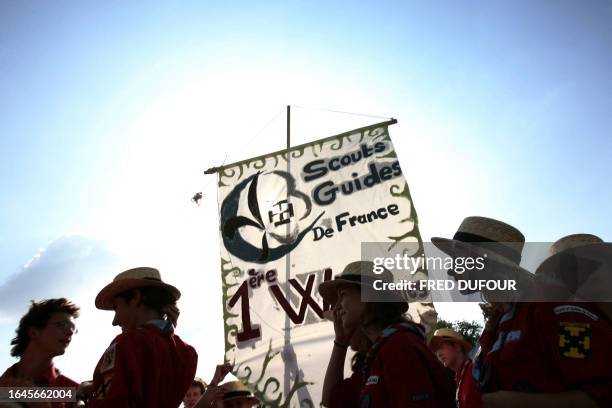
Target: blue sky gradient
[{"x": 110, "y": 111}]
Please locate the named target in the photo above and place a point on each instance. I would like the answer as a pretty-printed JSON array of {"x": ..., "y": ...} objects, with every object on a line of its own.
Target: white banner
[{"x": 290, "y": 220}]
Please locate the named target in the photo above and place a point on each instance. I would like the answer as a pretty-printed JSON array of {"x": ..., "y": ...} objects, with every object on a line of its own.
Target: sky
[{"x": 110, "y": 112}]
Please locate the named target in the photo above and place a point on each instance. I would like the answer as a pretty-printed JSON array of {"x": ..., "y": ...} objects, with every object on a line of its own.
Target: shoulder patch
[
  {"x": 513, "y": 336},
  {"x": 575, "y": 340},
  {"x": 421, "y": 397},
  {"x": 108, "y": 358},
  {"x": 575, "y": 309}
]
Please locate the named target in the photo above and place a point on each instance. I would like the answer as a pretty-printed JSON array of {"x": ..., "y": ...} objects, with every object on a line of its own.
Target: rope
[
  {"x": 343, "y": 112},
  {"x": 261, "y": 131},
  {"x": 213, "y": 170}
]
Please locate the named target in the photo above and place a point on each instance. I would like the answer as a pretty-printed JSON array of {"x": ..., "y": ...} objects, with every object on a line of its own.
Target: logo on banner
[{"x": 259, "y": 247}]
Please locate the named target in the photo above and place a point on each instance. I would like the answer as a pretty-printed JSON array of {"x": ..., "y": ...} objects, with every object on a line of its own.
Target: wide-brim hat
[
  {"x": 500, "y": 243},
  {"x": 361, "y": 273},
  {"x": 236, "y": 390},
  {"x": 447, "y": 334},
  {"x": 132, "y": 278},
  {"x": 574, "y": 258},
  {"x": 578, "y": 245}
]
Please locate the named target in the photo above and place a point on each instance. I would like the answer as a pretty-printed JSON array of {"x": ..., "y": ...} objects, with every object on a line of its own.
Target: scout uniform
[
  {"x": 548, "y": 348},
  {"x": 147, "y": 367},
  {"x": 401, "y": 371},
  {"x": 50, "y": 378},
  {"x": 346, "y": 393},
  {"x": 466, "y": 389},
  {"x": 467, "y": 394},
  {"x": 557, "y": 346}
]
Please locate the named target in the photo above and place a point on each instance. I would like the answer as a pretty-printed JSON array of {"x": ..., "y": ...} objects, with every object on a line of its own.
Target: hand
[
  {"x": 172, "y": 313},
  {"x": 85, "y": 389},
  {"x": 343, "y": 335},
  {"x": 212, "y": 394},
  {"x": 220, "y": 372},
  {"x": 493, "y": 399}
]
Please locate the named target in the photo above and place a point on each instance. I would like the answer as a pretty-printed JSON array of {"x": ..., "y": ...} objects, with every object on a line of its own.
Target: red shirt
[
  {"x": 50, "y": 378},
  {"x": 346, "y": 393},
  {"x": 549, "y": 347},
  {"x": 467, "y": 394},
  {"x": 405, "y": 373},
  {"x": 144, "y": 368}
]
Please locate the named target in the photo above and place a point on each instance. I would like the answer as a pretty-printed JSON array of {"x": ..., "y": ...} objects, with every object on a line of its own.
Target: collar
[
  {"x": 46, "y": 378},
  {"x": 403, "y": 326},
  {"x": 459, "y": 374},
  {"x": 163, "y": 325}
]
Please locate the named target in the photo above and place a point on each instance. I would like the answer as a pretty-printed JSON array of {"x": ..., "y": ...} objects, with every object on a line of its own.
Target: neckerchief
[
  {"x": 386, "y": 333},
  {"x": 164, "y": 325},
  {"x": 461, "y": 377},
  {"x": 482, "y": 370}
]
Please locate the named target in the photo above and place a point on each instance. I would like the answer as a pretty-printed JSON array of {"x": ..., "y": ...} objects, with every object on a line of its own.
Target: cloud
[
  {"x": 75, "y": 267},
  {"x": 62, "y": 269}
]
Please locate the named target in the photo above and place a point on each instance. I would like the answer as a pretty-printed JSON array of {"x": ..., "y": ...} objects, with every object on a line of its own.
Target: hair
[
  {"x": 491, "y": 312},
  {"x": 153, "y": 297},
  {"x": 200, "y": 383},
  {"x": 358, "y": 361},
  {"x": 383, "y": 314},
  {"x": 37, "y": 317}
]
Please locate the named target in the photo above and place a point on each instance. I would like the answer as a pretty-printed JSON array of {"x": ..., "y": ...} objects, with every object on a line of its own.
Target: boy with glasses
[{"x": 44, "y": 332}]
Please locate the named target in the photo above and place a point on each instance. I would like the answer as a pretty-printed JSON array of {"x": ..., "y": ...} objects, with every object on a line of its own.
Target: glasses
[{"x": 65, "y": 325}]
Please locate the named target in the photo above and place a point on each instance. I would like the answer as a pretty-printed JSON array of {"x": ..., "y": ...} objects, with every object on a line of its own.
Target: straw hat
[
  {"x": 573, "y": 241},
  {"x": 501, "y": 243},
  {"x": 585, "y": 246},
  {"x": 237, "y": 390},
  {"x": 577, "y": 259},
  {"x": 446, "y": 334},
  {"x": 361, "y": 273},
  {"x": 131, "y": 279}
]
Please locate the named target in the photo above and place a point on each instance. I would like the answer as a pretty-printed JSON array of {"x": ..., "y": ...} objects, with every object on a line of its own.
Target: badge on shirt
[
  {"x": 103, "y": 390},
  {"x": 513, "y": 336},
  {"x": 575, "y": 340},
  {"x": 108, "y": 358},
  {"x": 575, "y": 309},
  {"x": 372, "y": 380}
]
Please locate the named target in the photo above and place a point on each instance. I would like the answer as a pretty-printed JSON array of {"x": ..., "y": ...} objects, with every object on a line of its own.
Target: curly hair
[{"x": 37, "y": 317}]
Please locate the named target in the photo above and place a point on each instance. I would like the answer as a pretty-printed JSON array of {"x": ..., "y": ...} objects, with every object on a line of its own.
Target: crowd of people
[
  {"x": 148, "y": 365},
  {"x": 530, "y": 354}
]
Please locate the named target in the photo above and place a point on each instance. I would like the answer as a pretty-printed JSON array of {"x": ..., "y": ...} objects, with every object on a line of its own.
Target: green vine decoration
[
  {"x": 270, "y": 385},
  {"x": 340, "y": 140},
  {"x": 390, "y": 155},
  {"x": 296, "y": 386},
  {"x": 266, "y": 387},
  {"x": 394, "y": 190},
  {"x": 228, "y": 329}
]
